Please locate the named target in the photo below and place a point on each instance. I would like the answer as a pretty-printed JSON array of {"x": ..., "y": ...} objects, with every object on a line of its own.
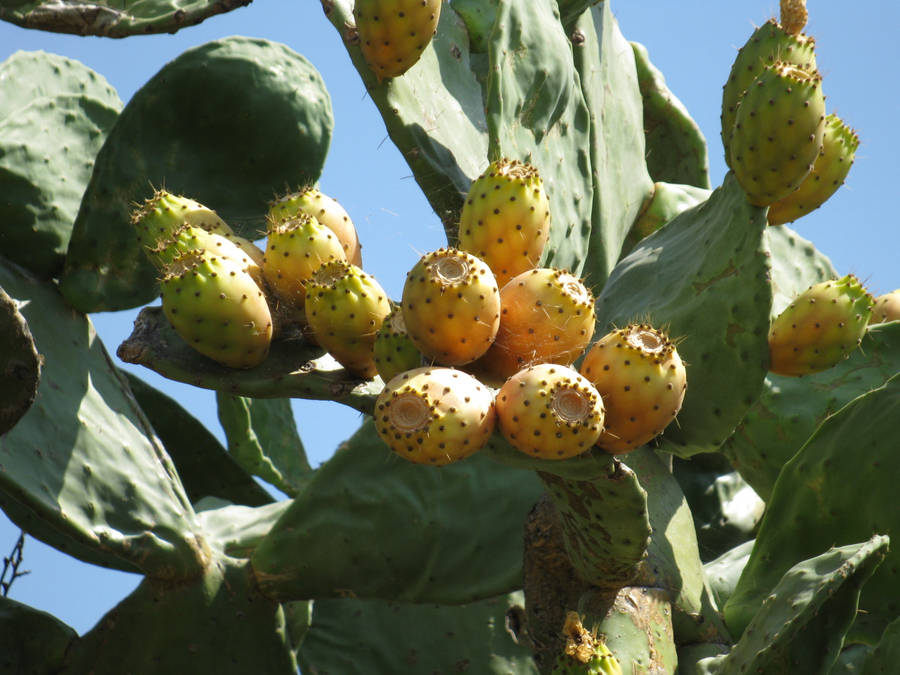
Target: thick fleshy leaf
[
  {"x": 83, "y": 462},
  {"x": 271, "y": 104},
  {"x": 20, "y": 364},
  {"x": 796, "y": 265},
  {"x": 886, "y": 655},
  {"x": 31, "y": 642},
  {"x": 234, "y": 529}
]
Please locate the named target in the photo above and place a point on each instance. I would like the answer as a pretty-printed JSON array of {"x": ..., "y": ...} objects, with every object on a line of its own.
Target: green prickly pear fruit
[
  {"x": 820, "y": 327},
  {"x": 505, "y": 219},
  {"x": 218, "y": 309},
  {"x": 157, "y": 219},
  {"x": 839, "y": 144},
  {"x": 886, "y": 308},
  {"x": 778, "y": 132},
  {"x": 550, "y": 411},
  {"x": 394, "y": 351},
  {"x": 295, "y": 248},
  {"x": 546, "y": 316},
  {"x": 327, "y": 211},
  {"x": 394, "y": 33},
  {"x": 434, "y": 415},
  {"x": 344, "y": 308},
  {"x": 642, "y": 379},
  {"x": 584, "y": 653},
  {"x": 768, "y": 44},
  {"x": 451, "y": 306}
]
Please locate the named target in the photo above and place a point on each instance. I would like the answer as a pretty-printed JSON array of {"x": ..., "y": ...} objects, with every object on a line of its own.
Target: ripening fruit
[
  {"x": 820, "y": 327},
  {"x": 642, "y": 380},
  {"x": 451, "y": 306},
  {"x": 394, "y": 33},
  {"x": 434, "y": 415},
  {"x": 584, "y": 652},
  {"x": 505, "y": 219},
  {"x": 217, "y": 309},
  {"x": 344, "y": 308},
  {"x": 886, "y": 308},
  {"x": 158, "y": 218},
  {"x": 327, "y": 211},
  {"x": 546, "y": 316},
  {"x": 550, "y": 411},
  {"x": 394, "y": 351}
]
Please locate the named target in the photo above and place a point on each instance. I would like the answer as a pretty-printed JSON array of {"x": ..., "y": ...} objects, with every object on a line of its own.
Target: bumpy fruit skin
[
  {"x": 550, "y": 411},
  {"x": 778, "y": 132},
  {"x": 451, "y": 306},
  {"x": 642, "y": 379},
  {"x": 546, "y": 316},
  {"x": 505, "y": 219},
  {"x": 839, "y": 144},
  {"x": 158, "y": 218},
  {"x": 820, "y": 327},
  {"x": 324, "y": 209},
  {"x": 188, "y": 239},
  {"x": 393, "y": 350},
  {"x": 394, "y": 33},
  {"x": 295, "y": 248},
  {"x": 768, "y": 44},
  {"x": 584, "y": 653},
  {"x": 218, "y": 309},
  {"x": 344, "y": 308},
  {"x": 886, "y": 308},
  {"x": 434, "y": 415}
]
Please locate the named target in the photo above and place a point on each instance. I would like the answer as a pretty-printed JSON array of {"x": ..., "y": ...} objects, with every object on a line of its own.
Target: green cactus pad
[
  {"x": 676, "y": 148},
  {"x": 83, "y": 467},
  {"x": 722, "y": 574},
  {"x": 267, "y": 99},
  {"x": 816, "y": 504},
  {"x": 31, "y": 642},
  {"x": 373, "y": 525},
  {"x": 715, "y": 302},
  {"x": 886, "y": 654},
  {"x": 112, "y": 19},
  {"x": 414, "y": 638},
  {"x": 234, "y": 529},
  {"x": 796, "y": 265},
  {"x": 666, "y": 201},
  {"x": 20, "y": 364}
]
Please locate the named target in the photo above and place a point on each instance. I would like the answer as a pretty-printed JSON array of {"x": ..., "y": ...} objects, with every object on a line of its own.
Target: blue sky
[{"x": 693, "y": 45}]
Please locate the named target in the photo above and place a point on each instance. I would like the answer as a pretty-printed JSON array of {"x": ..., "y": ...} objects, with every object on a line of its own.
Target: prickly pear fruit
[
  {"x": 394, "y": 33},
  {"x": 820, "y": 327},
  {"x": 550, "y": 411},
  {"x": 793, "y": 15},
  {"x": 886, "y": 308},
  {"x": 157, "y": 219},
  {"x": 546, "y": 316},
  {"x": 778, "y": 132},
  {"x": 295, "y": 248},
  {"x": 217, "y": 309},
  {"x": 344, "y": 308},
  {"x": 768, "y": 44},
  {"x": 327, "y": 211},
  {"x": 839, "y": 144},
  {"x": 394, "y": 351},
  {"x": 434, "y": 415},
  {"x": 584, "y": 653},
  {"x": 505, "y": 219},
  {"x": 639, "y": 374},
  {"x": 451, "y": 306}
]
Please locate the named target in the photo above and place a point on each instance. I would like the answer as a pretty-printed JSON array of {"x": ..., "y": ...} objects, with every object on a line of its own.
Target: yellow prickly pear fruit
[
  {"x": 505, "y": 219},
  {"x": 327, "y": 211},
  {"x": 158, "y": 218},
  {"x": 642, "y": 380},
  {"x": 218, "y": 309},
  {"x": 394, "y": 33},
  {"x": 451, "y": 306},
  {"x": 435, "y": 415},
  {"x": 886, "y": 308},
  {"x": 550, "y": 411}
]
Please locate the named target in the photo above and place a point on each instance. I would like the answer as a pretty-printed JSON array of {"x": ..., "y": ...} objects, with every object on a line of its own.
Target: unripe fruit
[
  {"x": 886, "y": 308},
  {"x": 546, "y": 316},
  {"x": 394, "y": 351},
  {"x": 550, "y": 411},
  {"x": 839, "y": 144},
  {"x": 451, "y": 306},
  {"x": 642, "y": 380},
  {"x": 159, "y": 217},
  {"x": 768, "y": 44},
  {"x": 778, "y": 132},
  {"x": 217, "y": 309},
  {"x": 326, "y": 211},
  {"x": 435, "y": 415},
  {"x": 820, "y": 327},
  {"x": 344, "y": 309},
  {"x": 505, "y": 219},
  {"x": 295, "y": 248},
  {"x": 394, "y": 33}
]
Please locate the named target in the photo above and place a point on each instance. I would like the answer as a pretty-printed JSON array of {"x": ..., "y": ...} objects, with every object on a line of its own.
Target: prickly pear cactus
[{"x": 577, "y": 401}]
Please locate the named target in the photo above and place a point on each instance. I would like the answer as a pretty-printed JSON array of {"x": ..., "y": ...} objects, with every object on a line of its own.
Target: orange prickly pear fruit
[
  {"x": 886, "y": 308},
  {"x": 394, "y": 33}
]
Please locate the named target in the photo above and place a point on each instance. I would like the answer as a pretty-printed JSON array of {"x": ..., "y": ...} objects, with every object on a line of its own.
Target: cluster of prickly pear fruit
[{"x": 394, "y": 33}]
